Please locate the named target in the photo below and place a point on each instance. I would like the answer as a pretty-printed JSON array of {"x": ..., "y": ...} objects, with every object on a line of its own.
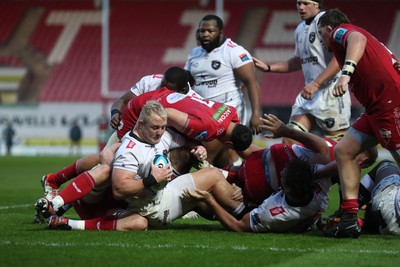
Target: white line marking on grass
[
  {"x": 16, "y": 206},
  {"x": 242, "y": 248}
]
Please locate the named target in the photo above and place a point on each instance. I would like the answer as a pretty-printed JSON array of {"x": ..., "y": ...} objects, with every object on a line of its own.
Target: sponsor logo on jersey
[
  {"x": 385, "y": 133},
  {"x": 222, "y": 113},
  {"x": 329, "y": 122},
  {"x": 311, "y": 37},
  {"x": 131, "y": 144},
  {"x": 220, "y": 131},
  {"x": 212, "y": 83},
  {"x": 338, "y": 35},
  {"x": 215, "y": 64},
  {"x": 313, "y": 60},
  {"x": 255, "y": 218},
  {"x": 244, "y": 57},
  {"x": 200, "y": 136},
  {"x": 175, "y": 97},
  {"x": 277, "y": 210}
]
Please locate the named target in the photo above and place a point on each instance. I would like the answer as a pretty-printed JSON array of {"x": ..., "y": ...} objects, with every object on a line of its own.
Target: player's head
[
  {"x": 308, "y": 9},
  {"x": 211, "y": 32},
  {"x": 176, "y": 79},
  {"x": 241, "y": 137},
  {"x": 298, "y": 181},
  {"x": 329, "y": 21},
  {"x": 152, "y": 122}
]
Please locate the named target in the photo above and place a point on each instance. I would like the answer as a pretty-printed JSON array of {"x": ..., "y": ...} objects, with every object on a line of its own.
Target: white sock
[
  {"x": 239, "y": 209},
  {"x": 57, "y": 203},
  {"x": 77, "y": 224}
]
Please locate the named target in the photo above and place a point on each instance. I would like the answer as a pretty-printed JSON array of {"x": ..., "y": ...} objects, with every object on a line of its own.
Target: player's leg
[
  {"x": 120, "y": 221},
  {"x": 353, "y": 143},
  {"x": 213, "y": 181},
  {"x": 81, "y": 185},
  {"x": 51, "y": 182},
  {"x": 300, "y": 122}
]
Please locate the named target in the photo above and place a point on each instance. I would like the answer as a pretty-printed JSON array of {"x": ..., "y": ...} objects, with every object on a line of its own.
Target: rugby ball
[{"x": 160, "y": 161}]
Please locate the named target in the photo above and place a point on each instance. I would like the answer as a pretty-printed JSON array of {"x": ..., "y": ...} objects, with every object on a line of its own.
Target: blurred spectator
[
  {"x": 8, "y": 135},
  {"x": 75, "y": 135}
]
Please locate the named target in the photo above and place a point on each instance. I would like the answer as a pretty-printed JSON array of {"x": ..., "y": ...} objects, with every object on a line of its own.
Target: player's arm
[
  {"x": 118, "y": 107},
  {"x": 309, "y": 140},
  {"x": 324, "y": 76},
  {"x": 355, "y": 47},
  {"x": 124, "y": 185},
  {"x": 223, "y": 216},
  {"x": 247, "y": 75},
  {"x": 293, "y": 64}
]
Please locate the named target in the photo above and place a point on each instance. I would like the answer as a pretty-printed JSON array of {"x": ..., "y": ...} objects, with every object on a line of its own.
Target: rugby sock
[
  {"x": 350, "y": 206},
  {"x": 102, "y": 223},
  {"x": 62, "y": 176},
  {"x": 78, "y": 188},
  {"x": 76, "y": 224}
]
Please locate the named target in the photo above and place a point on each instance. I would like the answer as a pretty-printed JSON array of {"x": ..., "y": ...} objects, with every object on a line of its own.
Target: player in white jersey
[
  {"x": 134, "y": 181},
  {"x": 315, "y": 104},
  {"x": 219, "y": 66},
  {"x": 170, "y": 79},
  {"x": 294, "y": 208}
]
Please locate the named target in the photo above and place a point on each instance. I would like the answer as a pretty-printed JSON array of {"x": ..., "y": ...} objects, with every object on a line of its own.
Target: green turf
[{"x": 191, "y": 242}]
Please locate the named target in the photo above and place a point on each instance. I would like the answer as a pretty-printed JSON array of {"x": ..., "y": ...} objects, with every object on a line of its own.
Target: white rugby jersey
[
  {"x": 134, "y": 155},
  {"x": 213, "y": 72},
  {"x": 314, "y": 57},
  {"x": 153, "y": 82},
  {"x": 147, "y": 83},
  {"x": 275, "y": 215}
]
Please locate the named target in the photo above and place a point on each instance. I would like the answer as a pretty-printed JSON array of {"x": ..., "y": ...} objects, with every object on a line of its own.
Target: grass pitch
[{"x": 190, "y": 242}]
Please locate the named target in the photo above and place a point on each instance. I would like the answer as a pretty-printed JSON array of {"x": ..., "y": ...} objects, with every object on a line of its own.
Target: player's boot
[
  {"x": 347, "y": 227},
  {"x": 58, "y": 223},
  {"x": 50, "y": 192},
  {"x": 44, "y": 207}
]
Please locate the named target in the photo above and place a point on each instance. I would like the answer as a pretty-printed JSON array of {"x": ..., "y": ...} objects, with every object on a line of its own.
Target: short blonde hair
[{"x": 152, "y": 107}]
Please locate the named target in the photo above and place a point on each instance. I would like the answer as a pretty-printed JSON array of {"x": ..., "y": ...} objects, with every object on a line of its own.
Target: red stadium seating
[{"x": 140, "y": 33}]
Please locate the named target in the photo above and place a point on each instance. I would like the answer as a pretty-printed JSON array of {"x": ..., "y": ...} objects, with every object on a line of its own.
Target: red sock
[
  {"x": 78, "y": 188},
  {"x": 102, "y": 223},
  {"x": 62, "y": 176},
  {"x": 349, "y": 206}
]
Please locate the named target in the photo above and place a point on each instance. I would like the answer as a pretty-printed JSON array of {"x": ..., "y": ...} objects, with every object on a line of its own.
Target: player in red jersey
[
  {"x": 260, "y": 174},
  {"x": 199, "y": 119},
  {"x": 368, "y": 70}
]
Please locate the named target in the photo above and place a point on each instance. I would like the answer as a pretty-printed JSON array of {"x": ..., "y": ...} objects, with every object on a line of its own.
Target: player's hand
[
  {"x": 274, "y": 125},
  {"x": 196, "y": 194},
  {"x": 255, "y": 124},
  {"x": 237, "y": 194},
  {"x": 309, "y": 90},
  {"x": 341, "y": 86},
  {"x": 260, "y": 65},
  {"x": 115, "y": 120},
  {"x": 162, "y": 174},
  {"x": 200, "y": 153}
]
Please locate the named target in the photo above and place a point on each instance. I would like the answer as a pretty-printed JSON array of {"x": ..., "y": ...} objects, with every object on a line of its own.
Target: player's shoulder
[{"x": 196, "y": 52}]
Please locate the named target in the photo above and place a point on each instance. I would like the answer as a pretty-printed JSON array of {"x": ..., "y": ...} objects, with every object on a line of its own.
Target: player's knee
[{"x": 135, "y": 222}]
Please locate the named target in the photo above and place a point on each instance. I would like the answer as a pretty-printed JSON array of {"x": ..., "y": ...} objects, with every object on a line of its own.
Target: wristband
[
  {"x": 149, "y": 181},
  {"x": 348, "y": 67},
  {"x": 316, "y": 84},
  {"x": 115, "y": 111},
  {"x": 269, "y": 68}
]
